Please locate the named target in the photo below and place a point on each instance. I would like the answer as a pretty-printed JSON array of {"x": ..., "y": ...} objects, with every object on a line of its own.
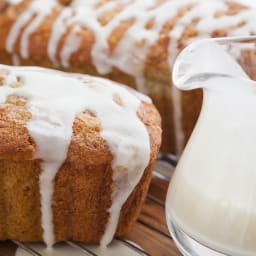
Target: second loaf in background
[{"x": 131, "y": 41}]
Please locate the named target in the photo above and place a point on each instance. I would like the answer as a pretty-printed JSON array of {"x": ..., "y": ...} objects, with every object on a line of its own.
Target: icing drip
[
  {"x": 35, "y": 23},
  {"x": 14, "y": 1},
  {"x": 15, "y": 59},
  {"x": 73, "y": 41},
  {"x": 35, "y": 9},
  {"x": 131, "y": 51},
  {"x": 86, "y": 3},
  {"x": 58, "y": 30},
  {"x": 51, "y": 128}
]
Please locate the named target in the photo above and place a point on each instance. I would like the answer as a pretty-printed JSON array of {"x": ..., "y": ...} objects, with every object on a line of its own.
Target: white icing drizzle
[
  {"x": 15, "y": 31},
  {"x": 73, "y": 41},
  {"x": 58, "y": 30},
  {"x": 246, "y": 2},
  {"x": 35, "y": 23},
  {"x": 35, "y": 9},
  {"x": 131, "y": 51},
  {"x": 15, "y": 59},
  {"x": 86, "y": 3},
  {"x": 14, "y": 1},
  {"x": 54, "y": 99}
]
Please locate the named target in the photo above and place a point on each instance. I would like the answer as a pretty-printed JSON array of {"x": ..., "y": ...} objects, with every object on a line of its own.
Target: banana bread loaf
[{"x": 76, "y": 155}]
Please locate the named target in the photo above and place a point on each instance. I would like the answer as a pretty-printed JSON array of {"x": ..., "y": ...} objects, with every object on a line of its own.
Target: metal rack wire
[{"x": 163, "y": 170}]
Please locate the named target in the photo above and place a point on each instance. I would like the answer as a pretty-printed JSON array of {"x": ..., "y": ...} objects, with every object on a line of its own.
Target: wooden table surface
[{"x": 150, "y": 231}]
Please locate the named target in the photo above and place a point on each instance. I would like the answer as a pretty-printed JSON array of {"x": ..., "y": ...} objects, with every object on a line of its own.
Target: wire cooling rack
[{"x": 163, "y": 170}]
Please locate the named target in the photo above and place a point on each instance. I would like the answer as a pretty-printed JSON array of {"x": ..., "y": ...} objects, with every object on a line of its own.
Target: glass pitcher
[{"x": 211, "y": 201}]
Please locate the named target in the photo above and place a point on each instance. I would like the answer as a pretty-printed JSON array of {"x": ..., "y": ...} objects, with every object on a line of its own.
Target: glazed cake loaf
[
  {"x": 76, "y": 155},
  {"x": 131, "y": 41}
]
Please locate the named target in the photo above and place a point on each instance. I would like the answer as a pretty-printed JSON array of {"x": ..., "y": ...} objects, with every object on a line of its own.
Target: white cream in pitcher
[{"x": 212, "y": 196}]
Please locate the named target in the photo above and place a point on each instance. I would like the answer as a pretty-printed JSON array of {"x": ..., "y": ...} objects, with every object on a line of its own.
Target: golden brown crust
[
  {"x": 15, "y": 140},
  {"x": 19, "y": 200},
  {"x": 83, "y": 185}
]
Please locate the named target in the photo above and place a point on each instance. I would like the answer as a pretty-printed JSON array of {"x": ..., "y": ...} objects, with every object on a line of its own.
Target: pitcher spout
[{"x": 207, "y": 59}]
